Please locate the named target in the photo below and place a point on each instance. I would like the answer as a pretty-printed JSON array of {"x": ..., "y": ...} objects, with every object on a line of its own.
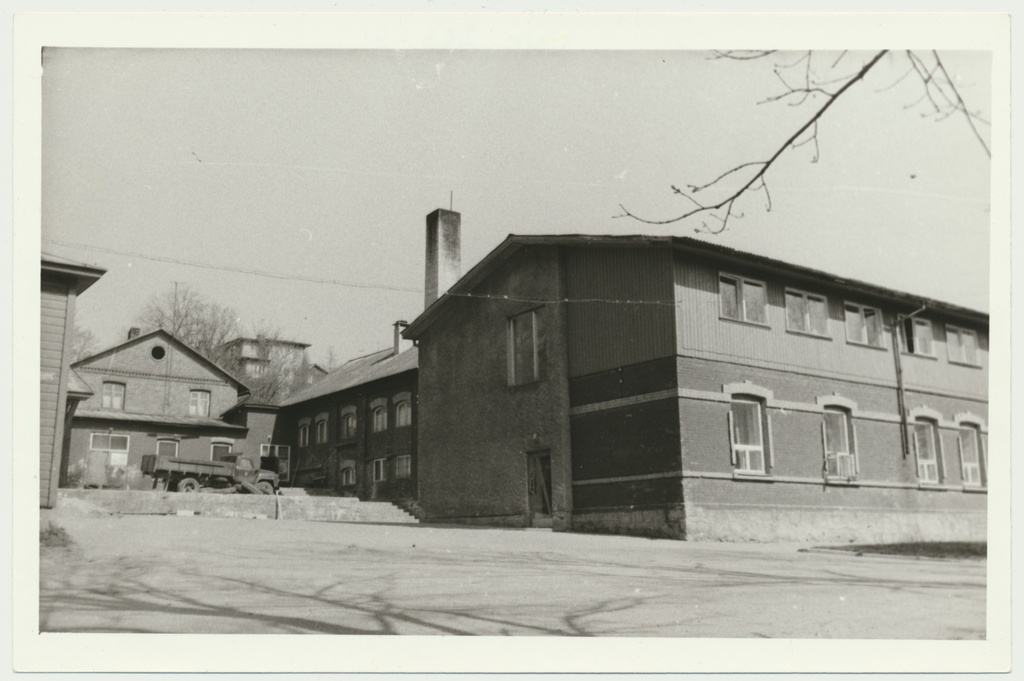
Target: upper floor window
[
  {"x": 167, "y": 447},
  {"x": 113, "y": 396},
  {"x": 972, "y": 463},
  {"x": 742, "y": 299},
  {"x": 523, "y": 352},
  {"x": 747, "y": 427},
  {"x": 962, "y": 345},
  {"x": 321, "y": 431},
  {"x": 403, "y": 413},
  {"x": 864, "y": 325},
  {"x": 840, "y": 443},
  {"x": 917, "y": 336},
  {"x": 806, "y": 313},
  {"x": 199, "y": 403},
  {"x": 379, "y": 416},
  {"x": 304, "y": 435},
  {"x": 348, "y": 423},
  {"x": 926, "y": 448}
]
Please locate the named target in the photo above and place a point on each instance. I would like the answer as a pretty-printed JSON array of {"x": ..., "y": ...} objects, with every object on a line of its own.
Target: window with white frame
[
  {"x": 926, "y": 449},
  {"x": 114, "y": 444},
  {"x": 220, "y": 451},
  {"x": 348, "y": 476},
  {"x": 742, "y": 299},
  {"x": 403, "y": 413},
  {"x": 523, "y": 348},
  {"x": 747, "y": 427},
  {"x": 917, "y": 336},
  {"x": 378, "y": 470},
  {"x": 971, "y": 460},
  {"x": 864, "y": 325},
  {"x": 321, "y": 430},
  {"x": 962, "y": 345},
  {"x": 199, "y": 403},
  {"x": 403, "y": 466},
  {"x": 113, "y": 396},
  {"x": 806, "y": 312},
  {"x": 167, "y": 447},
  {"x": 840, "y": 441},
  {"x": 304, "y": 435},
  {"x": 348, "y": 423}
]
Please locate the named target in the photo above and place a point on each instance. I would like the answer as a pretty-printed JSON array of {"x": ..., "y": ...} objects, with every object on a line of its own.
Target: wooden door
[{"x": 539, "y": 485}]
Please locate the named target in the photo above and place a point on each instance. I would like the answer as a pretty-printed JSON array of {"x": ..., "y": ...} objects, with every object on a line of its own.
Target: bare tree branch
[{"x": 960, "y": 105}]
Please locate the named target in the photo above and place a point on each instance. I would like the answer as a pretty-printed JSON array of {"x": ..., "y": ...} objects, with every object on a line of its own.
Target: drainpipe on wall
[{"x": 901, "y": 400}]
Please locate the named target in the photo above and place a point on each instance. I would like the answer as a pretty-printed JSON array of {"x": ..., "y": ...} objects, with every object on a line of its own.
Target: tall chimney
[
  {"x": 444, "y": 261},
  {"x": 399, "y": 325},
  {"x": 134, "y": 332}
]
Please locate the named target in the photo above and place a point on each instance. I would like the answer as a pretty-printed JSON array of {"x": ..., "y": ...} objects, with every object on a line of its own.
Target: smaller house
[
  {"x": 273, "y": 367},
  {"x": 354, "y": 430},
  {"x": 151, "y": 394}
]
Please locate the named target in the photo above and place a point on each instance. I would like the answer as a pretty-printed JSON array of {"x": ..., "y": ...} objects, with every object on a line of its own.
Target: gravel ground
[{"x": 222, "y": 575}]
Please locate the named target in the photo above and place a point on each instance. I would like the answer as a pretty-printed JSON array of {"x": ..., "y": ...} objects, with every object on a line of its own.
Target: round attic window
[{"x": 158, "y": 352}]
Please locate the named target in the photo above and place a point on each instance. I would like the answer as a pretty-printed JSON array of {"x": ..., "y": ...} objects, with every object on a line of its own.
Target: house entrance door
[{"x": 539, "y": 476}]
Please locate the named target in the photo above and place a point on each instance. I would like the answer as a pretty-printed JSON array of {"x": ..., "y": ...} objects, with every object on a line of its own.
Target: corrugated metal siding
[
  {"x": 701, "y": 333},
  {"x": 605, "y": 331},
  {"x": 53, "y": 317}
]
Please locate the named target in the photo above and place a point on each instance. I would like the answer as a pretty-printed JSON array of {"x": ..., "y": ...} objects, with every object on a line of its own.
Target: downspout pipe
[{"x": 901, "y": 400}]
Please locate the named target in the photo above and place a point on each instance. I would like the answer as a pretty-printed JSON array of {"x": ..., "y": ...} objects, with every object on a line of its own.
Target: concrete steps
[{"x": 289, "y": 507}]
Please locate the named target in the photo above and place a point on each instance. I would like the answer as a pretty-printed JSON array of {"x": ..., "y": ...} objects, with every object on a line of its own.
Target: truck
[{"x": 235, "y": 474}]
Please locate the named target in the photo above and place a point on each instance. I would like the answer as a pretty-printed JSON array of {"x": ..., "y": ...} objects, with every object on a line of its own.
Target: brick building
[
  {"x": 151, "y": 394},
  {"x": 354, "y": 431},
  {"x": 671, "y": 387},
  {"x": 60, "y": 389}
]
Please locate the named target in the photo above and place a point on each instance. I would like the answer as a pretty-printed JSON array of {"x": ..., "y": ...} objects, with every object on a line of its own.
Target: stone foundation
[{"x": 665, "y": 522}]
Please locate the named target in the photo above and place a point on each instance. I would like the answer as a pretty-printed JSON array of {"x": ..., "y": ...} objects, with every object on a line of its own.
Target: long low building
[{"x": 672, "y": 387}]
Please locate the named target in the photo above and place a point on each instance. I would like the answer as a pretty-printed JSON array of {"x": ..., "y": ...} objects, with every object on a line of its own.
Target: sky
[{"x": 318, "y": 167}]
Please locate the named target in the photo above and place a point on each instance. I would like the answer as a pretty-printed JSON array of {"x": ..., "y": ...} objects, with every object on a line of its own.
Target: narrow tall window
[
  {"x": 113, "y": 396},
  {"x": 321, "y": 431},
  {"x": 806, "y": 313},
  {"x": 524, "y": 358},
  {"x": 746, "y": 432},
  {"x": 304, "y": 435},
  {"x": 348, "y": 425},
  {"x": 379, "y": 415},
  {"x": 378, "y": 470},
  {"x": 929, "y": 462},
  {"x": 863, "y": 325},
  {"x": 403, "y": 414},
  {"x": 840, "y": 448},
  {"x": 348, "y": 476},
  {"x": 962, "y": 345},
  {"x": 743, "y": 299},
  {"x": 403, "y": 466},
  {"x": 917, "y": 336},
  {"x": 971, "y": 461},
  {"x": 199, "y": 403}
]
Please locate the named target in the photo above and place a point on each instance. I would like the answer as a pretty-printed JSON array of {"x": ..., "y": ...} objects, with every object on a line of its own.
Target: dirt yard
[{"x": 222, "y": 575}]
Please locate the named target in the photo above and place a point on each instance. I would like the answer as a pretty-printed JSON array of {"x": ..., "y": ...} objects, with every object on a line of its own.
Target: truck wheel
[
  {"x": 265, "y": 486},
  {"x": 188, "y": 485}
]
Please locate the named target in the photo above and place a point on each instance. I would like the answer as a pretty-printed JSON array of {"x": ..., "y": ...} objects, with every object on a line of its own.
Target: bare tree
[
  {"x": 808, "y": 79},
  {"x": 191, "y": 318},
  {"x": 83, "y": 343}
]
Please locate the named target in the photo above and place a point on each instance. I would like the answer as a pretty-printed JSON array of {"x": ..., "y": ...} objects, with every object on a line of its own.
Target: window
[
  {"x": 403, "y": 414},
  {"x": 929, "y": 461},
  {"x": 348, "y": 476},
  {"x": 116, "y": 447},
  {"x": 962, "y": 345},
  {"x": 158, "y": 352},
  {"x": 167, "y": 447},
  {"x": 113, "y": 396},
  {"x": 304, "y": 435},
  {"x": 864, "y": 325},
  {"x": 971, "y": 461},
  {"x": 840, "y": 444},
  {"x": 806, "y": 313},
  {"x": 282, "y": 453},
  {"x": 378, "y": 470},
  {"x": 321, "y": 431},
  {"x": 199, "y": 403},
  {"x": 348, "y": 423},
  {"x": 523, "y": 355},
  {"x": 403, "y": 466},
  {"x": 917, "y": 336},
  {"x": 744, "y": 300},
  {"x": 220, "y": 451},
  {"x": 746, "y": 433},
  {"x": 380, "y": 418}
]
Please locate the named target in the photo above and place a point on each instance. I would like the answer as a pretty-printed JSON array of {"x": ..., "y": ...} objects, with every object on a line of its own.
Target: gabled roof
[
  {"x": 169, "y": 339},
  {"x": 515, "y": 242},
  {"x": 248, "y": 401},
  {"x": 84, "y": 275},
  {"x": 161, "y": 419},
  {"x": 359, "y": 371},
  {"x": 77, "y": 387}
]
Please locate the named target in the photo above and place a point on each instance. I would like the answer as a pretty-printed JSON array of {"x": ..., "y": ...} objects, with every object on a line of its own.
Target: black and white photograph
[{"x": 426, "y": 330}]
